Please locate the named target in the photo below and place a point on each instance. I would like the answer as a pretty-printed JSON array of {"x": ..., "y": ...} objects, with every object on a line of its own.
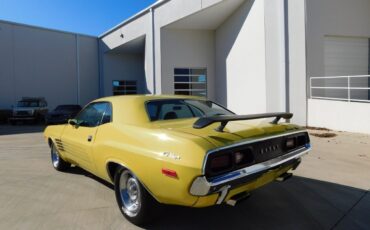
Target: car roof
[
  {"x": 146, "y": 97},
  {"x": 131, "y": 108}
]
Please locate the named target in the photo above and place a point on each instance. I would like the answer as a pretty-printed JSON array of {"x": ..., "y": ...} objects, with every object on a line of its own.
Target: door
[
  {"x": 78, "y": 139},
  {"x": 346, "y": 56}
]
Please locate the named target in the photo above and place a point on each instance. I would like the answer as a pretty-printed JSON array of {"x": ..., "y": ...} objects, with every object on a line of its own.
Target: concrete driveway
[{"x": 328, "y": 191}]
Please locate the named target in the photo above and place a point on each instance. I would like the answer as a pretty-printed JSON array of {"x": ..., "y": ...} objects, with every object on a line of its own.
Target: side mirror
[{"x": 72, "y": 122}]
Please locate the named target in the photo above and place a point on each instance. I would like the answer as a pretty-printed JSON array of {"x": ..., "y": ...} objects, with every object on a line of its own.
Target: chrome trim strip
[
  {"x": 201, "y": 186},
  {"x": 244, "y": 142}
]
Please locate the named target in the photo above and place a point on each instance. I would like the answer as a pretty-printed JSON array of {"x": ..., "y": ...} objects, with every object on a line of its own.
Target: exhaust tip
[
  {"x": 238, "y": 198},
  {"x": 284, "y": 177}
]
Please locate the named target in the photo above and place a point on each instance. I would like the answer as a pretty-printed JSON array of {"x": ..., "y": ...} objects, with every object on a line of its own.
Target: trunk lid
[{"x": 234, "y": 132}]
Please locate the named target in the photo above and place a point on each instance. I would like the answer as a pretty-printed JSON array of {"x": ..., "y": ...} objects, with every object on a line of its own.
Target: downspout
[
  {"x": 153, "y": 52},
  {"x": 368, "y": 79},
  {"x": 287, "y": 56},
  {"x": 78, "y": 68},
  {"x": 100, "y": 68},
  {"x": 306, "y": 57}
]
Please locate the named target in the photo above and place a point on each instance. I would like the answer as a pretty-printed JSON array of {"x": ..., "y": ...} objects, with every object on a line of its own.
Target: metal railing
[{"x": 341, "y": 88}]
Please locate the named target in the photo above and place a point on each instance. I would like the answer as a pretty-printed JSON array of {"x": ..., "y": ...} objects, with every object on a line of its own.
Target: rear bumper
[{"x": 201, "y": 186}]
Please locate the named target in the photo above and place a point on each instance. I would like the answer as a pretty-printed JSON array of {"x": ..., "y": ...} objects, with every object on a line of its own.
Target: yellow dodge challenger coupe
[{"x": 176, "y": 150}]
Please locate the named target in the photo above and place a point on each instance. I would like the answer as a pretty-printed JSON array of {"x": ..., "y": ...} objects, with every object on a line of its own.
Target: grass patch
[
  {"x": 324, "y": 135},
  {"x": 318, "y": 128}
]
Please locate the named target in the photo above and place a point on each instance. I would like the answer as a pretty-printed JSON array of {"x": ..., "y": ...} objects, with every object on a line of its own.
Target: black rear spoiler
[{"x": 224, "y": 119}]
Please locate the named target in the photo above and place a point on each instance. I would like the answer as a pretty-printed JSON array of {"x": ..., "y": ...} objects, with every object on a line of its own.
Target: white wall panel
[
  {"x": 339, "y": 115},
  {"x": 240, "y": 60}
]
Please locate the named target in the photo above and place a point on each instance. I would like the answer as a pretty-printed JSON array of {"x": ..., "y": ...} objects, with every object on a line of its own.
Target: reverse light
[
  {"x": 290, "y": 143},
  {"x": 243, "y": 157},
  {"x": 239, "y": 157},
  {"x": 169, "y": 173}
]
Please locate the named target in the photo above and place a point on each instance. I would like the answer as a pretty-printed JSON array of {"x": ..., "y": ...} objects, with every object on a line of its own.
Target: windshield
[
  {"x": 27, "y": 104},
  {"x": 180, "y": 109}
]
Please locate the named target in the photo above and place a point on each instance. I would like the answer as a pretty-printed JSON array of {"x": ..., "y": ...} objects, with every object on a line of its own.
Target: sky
[{"x": 91, "y": 17}]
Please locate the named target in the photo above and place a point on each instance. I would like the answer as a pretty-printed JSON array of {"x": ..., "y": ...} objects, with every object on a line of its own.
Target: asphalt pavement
[{"x": 329, "y": 190}]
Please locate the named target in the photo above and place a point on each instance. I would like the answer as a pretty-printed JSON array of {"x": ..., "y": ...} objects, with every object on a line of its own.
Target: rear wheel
[
  {"x": 135, "y": 203},
  {"x": 57, "y": 162}
]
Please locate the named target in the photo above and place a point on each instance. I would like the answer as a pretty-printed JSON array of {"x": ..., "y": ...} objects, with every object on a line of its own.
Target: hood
[{"x": 235, "y": 131}]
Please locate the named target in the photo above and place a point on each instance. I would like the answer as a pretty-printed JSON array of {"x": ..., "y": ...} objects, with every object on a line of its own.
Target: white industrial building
[{"x": 252, "y": 56}]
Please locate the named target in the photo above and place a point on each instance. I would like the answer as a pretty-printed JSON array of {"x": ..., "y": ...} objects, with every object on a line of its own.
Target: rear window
[{"x": 181, "y": 109}]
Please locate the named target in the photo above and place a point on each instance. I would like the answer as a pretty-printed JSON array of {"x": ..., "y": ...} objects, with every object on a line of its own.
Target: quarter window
[
  {"x": 123, "y": 87},
  {"x": 107, "y": 117},
  {"x": 190, "y": 81}
]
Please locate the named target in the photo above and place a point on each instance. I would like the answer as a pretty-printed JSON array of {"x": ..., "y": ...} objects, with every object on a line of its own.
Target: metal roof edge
[
  {"x": 134, "y": 17},
  {"x": 47, "y": 29}
]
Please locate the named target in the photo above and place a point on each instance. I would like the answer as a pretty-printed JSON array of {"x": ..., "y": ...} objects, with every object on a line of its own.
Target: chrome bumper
[{"x": 221, "y": 184}]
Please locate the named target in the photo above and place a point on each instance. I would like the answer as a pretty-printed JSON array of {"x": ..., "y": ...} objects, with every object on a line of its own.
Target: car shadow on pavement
[
  {"x": 20, "y": 129},
  {"x": 299, "y": 203},
  {"x": 79, "y": 171}
]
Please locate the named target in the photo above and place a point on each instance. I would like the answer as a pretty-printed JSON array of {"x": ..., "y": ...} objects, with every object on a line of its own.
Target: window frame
[
  {"x": 190, "y": 83},
  {"x": 169, "y": 99},
  {"x": 100, "y": 123},
  {"x": 125, "y": 91}
]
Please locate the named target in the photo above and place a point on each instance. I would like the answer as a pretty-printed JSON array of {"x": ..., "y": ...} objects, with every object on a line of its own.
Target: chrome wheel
[
  {"x": 55, "y": 159},
  {"x": 129, "y": 189}
]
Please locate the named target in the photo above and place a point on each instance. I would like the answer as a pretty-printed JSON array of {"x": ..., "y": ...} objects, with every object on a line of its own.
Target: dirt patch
[
  {"x": 317, "y": 128},
  {"x": 324, "y": 135}
]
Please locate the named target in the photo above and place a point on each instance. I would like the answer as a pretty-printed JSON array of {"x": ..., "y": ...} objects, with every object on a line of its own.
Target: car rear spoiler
[{"x": 224, "y": 119}]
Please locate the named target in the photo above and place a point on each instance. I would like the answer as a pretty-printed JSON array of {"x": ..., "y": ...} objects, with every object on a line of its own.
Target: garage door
[{"x": 346, "y": 56}]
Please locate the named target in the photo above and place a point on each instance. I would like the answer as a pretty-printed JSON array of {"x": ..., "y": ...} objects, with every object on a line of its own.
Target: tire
[
  {"x": 58, "y": 163},
  {"x": 12, "y": 122},
  {"x": 136, "y": 204}
]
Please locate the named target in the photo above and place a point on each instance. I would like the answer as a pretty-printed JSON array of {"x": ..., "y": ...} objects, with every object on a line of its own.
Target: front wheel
[
  {"x": 57, "y": 162},
  {"x": 135, "y": 203}
]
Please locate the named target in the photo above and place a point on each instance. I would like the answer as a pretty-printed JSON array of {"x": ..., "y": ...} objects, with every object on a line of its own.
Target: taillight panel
[{"x": 224, "y": 161}]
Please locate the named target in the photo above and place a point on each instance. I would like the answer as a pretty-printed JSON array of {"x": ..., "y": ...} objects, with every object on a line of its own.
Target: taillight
[
  {"x": 296, "y": 141},
  {"x": 302, "y": 140},
  {"x": 221, "y": 163},
  {"x": 228, "y": 161}
]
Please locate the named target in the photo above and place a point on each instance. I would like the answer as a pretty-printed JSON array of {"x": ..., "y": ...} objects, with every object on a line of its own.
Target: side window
[
  {"x": 92, "y": 115},
  {"x": 152, "y": 111}
]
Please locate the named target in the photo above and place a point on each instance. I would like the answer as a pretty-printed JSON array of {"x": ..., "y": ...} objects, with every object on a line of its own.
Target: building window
[
  {"x": 123, "y": 87},
  {"x": 191, "y": 81}
]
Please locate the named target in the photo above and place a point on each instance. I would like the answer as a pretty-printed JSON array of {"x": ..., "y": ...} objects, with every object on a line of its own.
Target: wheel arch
[
  {"x": 50, "y": 142},
  {"x": 112, "y": 166}
]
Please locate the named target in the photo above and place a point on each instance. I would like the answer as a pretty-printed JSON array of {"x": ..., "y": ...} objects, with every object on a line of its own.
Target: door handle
[{"x": 89, "y": 138}]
